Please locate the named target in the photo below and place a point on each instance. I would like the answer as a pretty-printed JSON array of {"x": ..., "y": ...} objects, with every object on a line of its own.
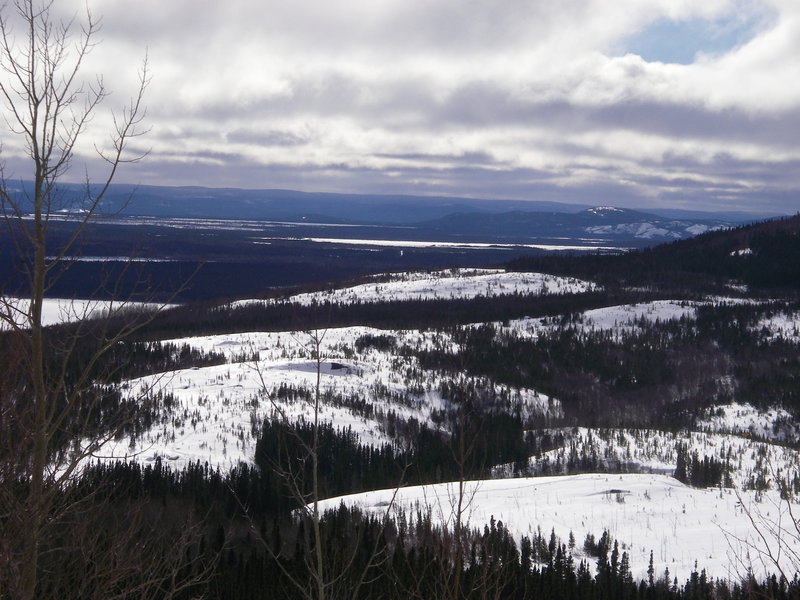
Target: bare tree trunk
[
  {"x": 327, "y": 576},
  {"x": 40, "y": 434},
  {"x": 320, "y": 557}
]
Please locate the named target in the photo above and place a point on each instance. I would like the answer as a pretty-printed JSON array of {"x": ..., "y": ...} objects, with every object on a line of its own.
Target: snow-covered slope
[
  {"x": 215, "y": 413},
  {"x": 659, "y": 230},
  {"x": 367, "y": 378},
  {"x": 617, "y": 319},
  {"x": 440, "y": 285},
  {"x": 679, "y": 524},
  {"x": 784, "y": 325}
]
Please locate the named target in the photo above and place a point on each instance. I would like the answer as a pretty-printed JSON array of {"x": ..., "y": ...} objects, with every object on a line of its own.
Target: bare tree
[
  {"x": 771, "y": 544},
  {"x": 47, "y": 403}
]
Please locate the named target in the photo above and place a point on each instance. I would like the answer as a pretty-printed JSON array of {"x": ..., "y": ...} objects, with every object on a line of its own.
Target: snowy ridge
[{"x": 443, "y": 285}]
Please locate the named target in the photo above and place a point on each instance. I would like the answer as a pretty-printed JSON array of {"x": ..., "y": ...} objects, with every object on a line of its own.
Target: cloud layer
[{"x": 492, "y": 98}]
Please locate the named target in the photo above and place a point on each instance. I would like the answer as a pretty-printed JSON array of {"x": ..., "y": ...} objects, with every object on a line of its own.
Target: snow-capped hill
[{"x": 602, "y": 211}]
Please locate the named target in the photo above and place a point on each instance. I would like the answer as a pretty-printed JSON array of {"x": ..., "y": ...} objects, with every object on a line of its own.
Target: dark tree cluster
[{"x": 701, "y": 472}]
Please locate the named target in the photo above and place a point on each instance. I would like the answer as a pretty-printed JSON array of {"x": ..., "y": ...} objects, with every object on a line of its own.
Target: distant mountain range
[{"x": 467, "y": 218}]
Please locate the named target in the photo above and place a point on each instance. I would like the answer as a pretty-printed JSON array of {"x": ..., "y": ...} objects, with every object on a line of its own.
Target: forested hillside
[{"x": 763, "y": 256}]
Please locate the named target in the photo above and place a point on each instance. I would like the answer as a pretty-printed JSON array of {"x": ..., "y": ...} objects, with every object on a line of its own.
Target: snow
[
  {"x": 678, "y": 523},
  {"x": 438, "y": 244},
  {"x": 740, "y": 418},
  {"x": 620, "y": 318},
  {"x": 601, "y": 210},
  {"x": 651, "y": 312},
  {"x": 126, "y": 259},
  {"x": 218, "y": 410},
  {"x": 66, "y": 310},
  {"x": 698, "y": 229},
  {"x": 654, "y": 451},
  {"x": 648, "y": 231},
  {"x": 438, "y": 285},
  {"x": 783, "y": 325}
]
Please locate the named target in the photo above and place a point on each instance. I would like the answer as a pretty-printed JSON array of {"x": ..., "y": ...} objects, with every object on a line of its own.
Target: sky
[{"x": 637, "y": 103}]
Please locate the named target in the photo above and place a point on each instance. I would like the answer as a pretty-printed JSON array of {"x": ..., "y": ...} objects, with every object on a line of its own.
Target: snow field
[
  {"x": 679, "y": 524},
  {"x": 218, "y": 410}
]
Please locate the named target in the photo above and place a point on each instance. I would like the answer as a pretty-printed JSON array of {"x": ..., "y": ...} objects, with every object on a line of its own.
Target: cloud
[{"x": 506, "y": 98}]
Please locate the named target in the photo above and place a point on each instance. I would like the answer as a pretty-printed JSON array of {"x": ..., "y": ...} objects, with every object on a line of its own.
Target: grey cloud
[
  {"x": 473, "y": 158},
  {"x": 482, "y": 104},
  {"x": 348, "y": 76},
  {"x": 269, "y": 138}
]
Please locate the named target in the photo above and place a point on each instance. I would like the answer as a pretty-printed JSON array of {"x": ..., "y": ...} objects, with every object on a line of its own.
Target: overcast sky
[{"x": 639, "y": 103}]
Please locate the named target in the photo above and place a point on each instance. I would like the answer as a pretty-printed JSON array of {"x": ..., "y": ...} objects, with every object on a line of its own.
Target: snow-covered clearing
[
  {"x": 650, "y": 312},
  {"x": 444, "y": 285},
  {"x": 678, "y": 523}
]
